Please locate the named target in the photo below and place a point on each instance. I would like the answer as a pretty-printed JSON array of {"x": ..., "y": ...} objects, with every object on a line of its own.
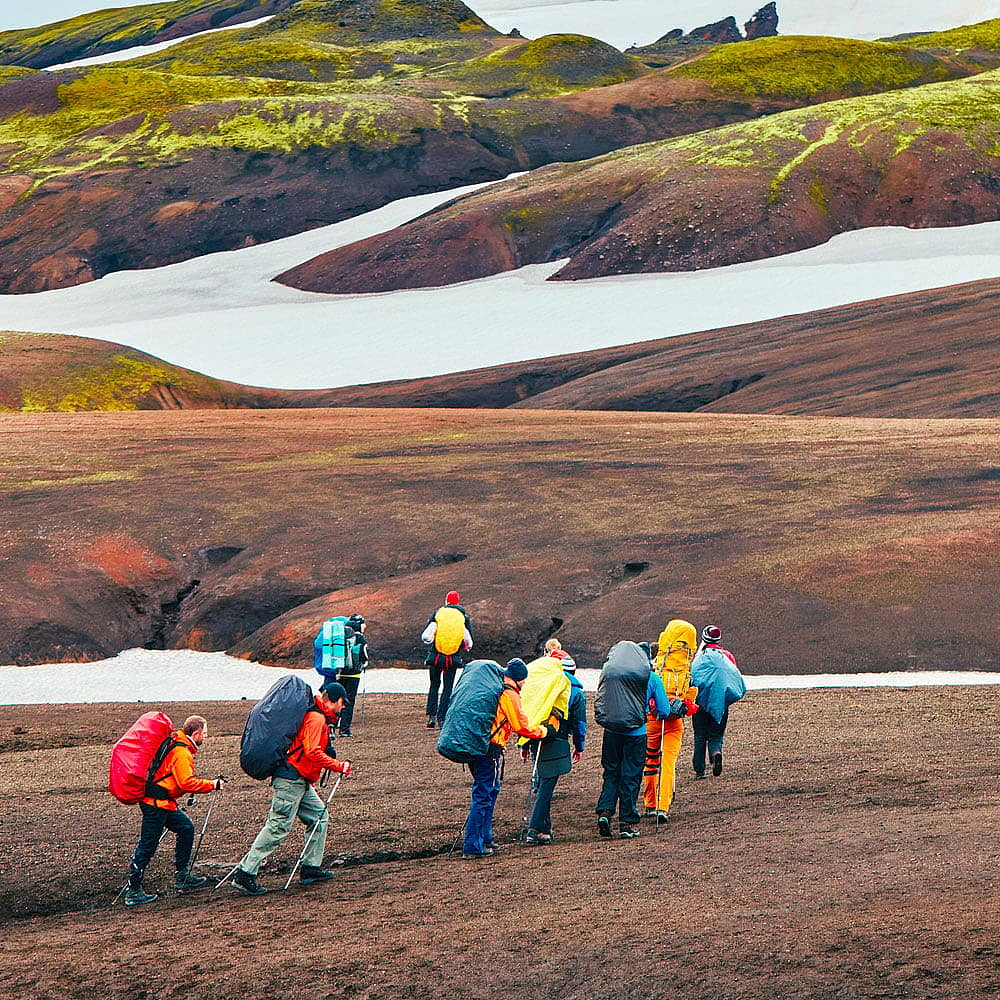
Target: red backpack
[{"x": 137, "y": 756}]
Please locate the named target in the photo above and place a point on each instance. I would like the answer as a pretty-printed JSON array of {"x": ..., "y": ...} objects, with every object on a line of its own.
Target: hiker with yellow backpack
[
  {"x": 551, "y": 699},
  {"x": 676, "y": 647},
  {"x": 448, "y": 634}
]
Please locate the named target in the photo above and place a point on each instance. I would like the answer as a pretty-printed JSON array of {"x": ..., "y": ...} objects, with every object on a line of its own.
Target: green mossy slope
[
  {"x": 984, "y": 35},
  {"x": 806, "y": 67}
]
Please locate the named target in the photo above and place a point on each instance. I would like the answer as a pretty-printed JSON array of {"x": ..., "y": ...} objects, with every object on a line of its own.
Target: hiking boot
[
  {"x": 629, "y": 832},
  {"x": 717, "y": 763},
  {"x": 311, "y": 874},
  {"x": 659, "y": 817},
  {"x": 649, "y": 812},
  {"x": 431, "y": 721},
  {"x": 531, "y": 837},
  {"x": 699, "y": 774},
  {"x": 187, "y": 881},
  {"x": 137, "y": 897},
  {"x": 248, "y": 883},
  {"x": 604, "y": 826},
  {"x": 487, "y": 852},
  {"x": 346, "y": 732},
  {"x": 543, "y": 838}
]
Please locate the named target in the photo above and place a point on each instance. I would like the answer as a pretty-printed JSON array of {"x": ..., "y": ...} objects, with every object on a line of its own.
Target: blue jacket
[
  {"x": 656, "y": 698},
  {"x": 577, "y": 713}
]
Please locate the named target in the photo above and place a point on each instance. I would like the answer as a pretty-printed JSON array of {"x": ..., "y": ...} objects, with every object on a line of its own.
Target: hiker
[
  {"x": 675, "y": 650},
  {"x": 552, "y": 755},
  {"x": 355, "y": 663},
  {"x": 448, "y": 634},
  {"x": 308, "y": 757},
  {"x": 174, "y": 778},
  {"x": 628, "y": 688},
  {"x": 487, "y": 770},
  {"x": 720, "y": 684}
]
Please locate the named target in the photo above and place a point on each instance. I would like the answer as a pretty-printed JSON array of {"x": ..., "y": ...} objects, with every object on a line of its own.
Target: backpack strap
[
  {"x": 297, "y": 749},
  {"x": 154, "y": 790}
]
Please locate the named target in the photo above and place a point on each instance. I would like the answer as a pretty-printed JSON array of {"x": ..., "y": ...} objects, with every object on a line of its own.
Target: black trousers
[
  {"x": 443, "y": 678},
  {"x": 154, "y": 821},
  {"x": 351, "y": 685},
  {"x": 622, "y": 758}
]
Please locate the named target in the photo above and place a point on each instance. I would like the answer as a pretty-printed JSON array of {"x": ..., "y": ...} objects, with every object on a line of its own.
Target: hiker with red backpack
[
  {"x": 448, "y": 634},
  {"x": 294, "y": 796},
  {"x": 171, "y": 777}
]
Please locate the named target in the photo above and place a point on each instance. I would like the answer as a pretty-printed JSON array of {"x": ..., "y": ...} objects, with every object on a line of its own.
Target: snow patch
[{"x": 144, "y": 675}]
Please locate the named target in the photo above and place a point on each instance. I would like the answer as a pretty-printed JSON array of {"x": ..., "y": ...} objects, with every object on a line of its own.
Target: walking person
[
  {"x": 174, "y": 778},
  {"x": 627, "y": 687},
  {"x": 356, "y": 660},
  {"x": 294, "y": 796},
  {"x": 720, "y": 684},
  {"x": 488, "y": 770},
  {"x": 552, "y": 755},
  {"x": 448, "y": 635},
  {"x": 675, "y": 651}
]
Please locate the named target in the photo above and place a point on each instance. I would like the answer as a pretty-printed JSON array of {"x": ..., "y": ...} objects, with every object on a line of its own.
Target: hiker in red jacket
[
  {"x": 294, "y": 795},
  {"x": 174, "y": 777}
]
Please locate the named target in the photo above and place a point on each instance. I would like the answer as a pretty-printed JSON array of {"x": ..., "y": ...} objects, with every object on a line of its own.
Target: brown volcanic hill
[
  {"x": 331, "y": 109},
  {"x": 822, "y": 544},
  {"x": 926, "y": 354},
  {"x": 929, "y": 156}
]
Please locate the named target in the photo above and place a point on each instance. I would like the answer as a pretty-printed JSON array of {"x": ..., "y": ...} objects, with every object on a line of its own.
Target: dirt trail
[{"x": 848, "y": 851}]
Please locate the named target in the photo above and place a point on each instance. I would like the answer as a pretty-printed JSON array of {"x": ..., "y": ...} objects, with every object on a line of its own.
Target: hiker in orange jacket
[
  {"x": 308, "y": 757},
  {"x": 487, "y": 771},
  {"x": 675, "y": 650},
  {"x": 174, "y": 778}
]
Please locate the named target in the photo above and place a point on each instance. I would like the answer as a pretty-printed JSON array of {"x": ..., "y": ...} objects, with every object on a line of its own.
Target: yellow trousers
[{"x": 663, "y": 747}]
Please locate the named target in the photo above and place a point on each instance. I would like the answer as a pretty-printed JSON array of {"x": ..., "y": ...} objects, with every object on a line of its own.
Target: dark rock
[
  {"x": 721, "y": 31},
  {"x": 514, "y": 33},
  {"x": 671, "y": 36},
  {"x": 764, "y": 24}
]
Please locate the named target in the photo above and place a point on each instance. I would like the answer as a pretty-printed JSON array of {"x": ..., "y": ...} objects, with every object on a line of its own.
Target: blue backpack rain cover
[
  {"x": 272, "y": 725},
  {"x": 468, "y": 724},
  {"x": 330, "y": 648},
  {"x": 718, "y": 680}
]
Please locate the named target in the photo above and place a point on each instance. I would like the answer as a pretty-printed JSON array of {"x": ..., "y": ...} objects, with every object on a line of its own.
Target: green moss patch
[
  {"x": 984, "y": 35},
  {"x": 805, "y": 67}
]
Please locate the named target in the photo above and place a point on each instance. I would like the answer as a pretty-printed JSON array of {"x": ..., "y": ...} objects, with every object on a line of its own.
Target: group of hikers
[{"x": 641, "y": 701}]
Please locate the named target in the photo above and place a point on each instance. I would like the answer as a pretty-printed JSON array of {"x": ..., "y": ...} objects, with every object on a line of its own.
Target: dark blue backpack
[
  {"x": 468, "y": 725},
  {"x": 272, "y": 725}
]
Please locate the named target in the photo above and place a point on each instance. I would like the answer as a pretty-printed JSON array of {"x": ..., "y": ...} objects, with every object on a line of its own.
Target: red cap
[{"x": 452, "y": 597}]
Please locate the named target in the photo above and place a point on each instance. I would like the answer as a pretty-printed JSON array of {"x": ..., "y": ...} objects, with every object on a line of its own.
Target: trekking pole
[
  {"x": 326, "y": 806},
  {"x": 204, "y": 827},
  {"x": 364, "y": 691}
]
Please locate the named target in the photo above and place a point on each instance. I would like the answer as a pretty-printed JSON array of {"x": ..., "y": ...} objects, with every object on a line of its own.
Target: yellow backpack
[
  {"x": 545, "y": 692},
  {"x": 675, "y": 650},
  {"x": 450, "y": 630}
]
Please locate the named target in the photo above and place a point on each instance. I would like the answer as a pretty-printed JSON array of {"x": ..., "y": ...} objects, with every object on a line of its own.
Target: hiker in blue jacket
[{"x": 355, "y": 664}]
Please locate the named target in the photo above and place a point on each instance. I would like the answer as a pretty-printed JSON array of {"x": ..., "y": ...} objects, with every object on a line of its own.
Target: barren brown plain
[{"x": 847, "y": 852}]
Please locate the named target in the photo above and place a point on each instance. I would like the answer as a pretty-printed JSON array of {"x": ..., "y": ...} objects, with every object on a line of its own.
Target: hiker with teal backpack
[
  {"x": 448, "y": 635},
  {"x": 356, "y": 660},
  {"x": 720, "y": 684}
]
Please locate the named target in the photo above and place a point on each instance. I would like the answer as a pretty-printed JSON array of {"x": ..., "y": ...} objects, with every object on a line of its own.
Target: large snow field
[
  {"x": 222, "y": 315},
  {"x": 185, "y": 675}
]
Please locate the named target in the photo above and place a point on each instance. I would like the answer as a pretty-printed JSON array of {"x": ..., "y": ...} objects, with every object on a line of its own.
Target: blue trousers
[
  {"x": 707, "y": 732},
  {"x": 487, "y": 773},
  {"x": 622, "y": 758},
  {"x": 541, "y": 812},
  {"x": 154, "y": 821}
]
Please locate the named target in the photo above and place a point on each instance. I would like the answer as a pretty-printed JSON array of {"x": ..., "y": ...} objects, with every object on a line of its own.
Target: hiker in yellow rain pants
[{"x": 676, "y": 647}]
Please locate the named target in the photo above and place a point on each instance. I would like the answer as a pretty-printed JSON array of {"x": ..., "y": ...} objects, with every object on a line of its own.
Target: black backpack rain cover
[
  {"x": 621, "y": 689},
  {"x": 272, "y": 725}
]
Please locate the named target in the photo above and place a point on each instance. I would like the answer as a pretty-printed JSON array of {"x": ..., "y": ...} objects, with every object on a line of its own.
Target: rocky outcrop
[
  {"x": 764, "y": 24},
  {"x": 722, "y": 31}
]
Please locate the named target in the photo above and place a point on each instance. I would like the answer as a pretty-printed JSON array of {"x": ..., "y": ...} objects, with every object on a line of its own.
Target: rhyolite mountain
[
  {"x": 924, "y": 156},
  {"x": 332, "y": 108}
]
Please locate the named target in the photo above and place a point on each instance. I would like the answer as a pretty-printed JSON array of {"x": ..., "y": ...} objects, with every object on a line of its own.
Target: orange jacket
[
  {"x": 510, "y": 718},
  {"x": 176, "y": 773},
  {"x": 307, "y": 754}
]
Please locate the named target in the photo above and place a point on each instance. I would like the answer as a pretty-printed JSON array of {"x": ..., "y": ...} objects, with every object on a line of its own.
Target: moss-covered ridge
[
  {"x": 969, "y": 39},
  {"x": 812, "y": 68},
  {"x": 929, "y": 156},
  {"x": 99, "y": 32}
]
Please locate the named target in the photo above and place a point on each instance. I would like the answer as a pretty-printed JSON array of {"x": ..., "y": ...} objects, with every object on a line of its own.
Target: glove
[
  {"x": 691, "y": 705},
  {"x": 219, "y": 782},
  {"x": 345, "y": 768},
  {"x": 678, "y": 708}
]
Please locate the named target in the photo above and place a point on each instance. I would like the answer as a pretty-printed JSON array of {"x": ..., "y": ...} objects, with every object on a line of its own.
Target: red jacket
[
  {"x": 307, "y": 753},
  {"x": 176, "y": 773}
]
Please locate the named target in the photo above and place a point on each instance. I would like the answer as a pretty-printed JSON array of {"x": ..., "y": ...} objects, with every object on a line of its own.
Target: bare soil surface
[{"x": 848, "y": 851}]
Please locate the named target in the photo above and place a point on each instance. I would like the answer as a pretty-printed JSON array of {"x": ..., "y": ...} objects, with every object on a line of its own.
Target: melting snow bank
[
  {"x": 138, "y": 51},
  {"x": 185, "y": 675}
]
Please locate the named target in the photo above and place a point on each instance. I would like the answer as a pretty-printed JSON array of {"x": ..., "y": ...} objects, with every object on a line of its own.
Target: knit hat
[
  {"x": 334, "y": 690},
  {"x": 516, "y": 669},
  {"x": 355, "y": 621},
  {"x": 452, "y": 597},
  {"x": 568, "y": 664},
  {"x": 711, "y": 633}
]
